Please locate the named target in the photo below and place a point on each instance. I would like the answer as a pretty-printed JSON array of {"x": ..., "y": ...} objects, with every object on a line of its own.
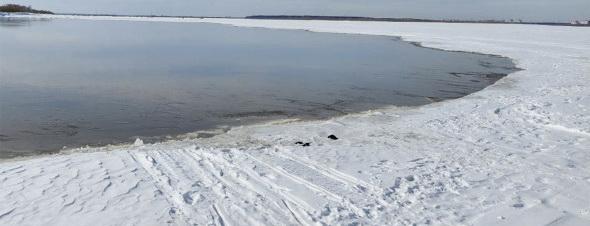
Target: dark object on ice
[
  {"x": 518, "y": 205},
  {"x": 307, "y": 144},
  {"x": 333, "y": 137}
]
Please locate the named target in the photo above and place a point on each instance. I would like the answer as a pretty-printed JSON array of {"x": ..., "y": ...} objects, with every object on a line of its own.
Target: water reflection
[
  {"x": 8, "y": 22},
  {"x": 74, "y": 82}
]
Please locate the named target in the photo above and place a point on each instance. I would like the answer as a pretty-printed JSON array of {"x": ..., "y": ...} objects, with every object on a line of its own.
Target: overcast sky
[{"x": 530, "y": 10}]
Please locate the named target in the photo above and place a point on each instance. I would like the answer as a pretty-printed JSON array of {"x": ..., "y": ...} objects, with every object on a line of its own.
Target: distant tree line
[
  {"x": 14, "y": 8},
  {"x": 353, "y": 18}
]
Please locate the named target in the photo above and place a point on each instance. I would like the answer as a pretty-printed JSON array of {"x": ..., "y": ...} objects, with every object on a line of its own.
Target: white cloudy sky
[{"x": 531, "y": 10}]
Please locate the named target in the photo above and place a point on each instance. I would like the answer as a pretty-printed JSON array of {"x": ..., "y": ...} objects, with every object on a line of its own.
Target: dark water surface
[{"x": 75, "y": 82}]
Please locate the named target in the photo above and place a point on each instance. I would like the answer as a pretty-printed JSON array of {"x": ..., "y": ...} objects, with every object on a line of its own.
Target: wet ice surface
[{"x": 72, "y": 83}]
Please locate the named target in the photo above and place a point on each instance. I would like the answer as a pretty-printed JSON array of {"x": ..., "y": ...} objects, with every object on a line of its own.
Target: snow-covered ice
[{"x": 516, "y": 153}]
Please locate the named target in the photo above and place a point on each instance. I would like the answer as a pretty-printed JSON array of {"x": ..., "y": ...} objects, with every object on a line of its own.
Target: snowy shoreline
[{"x": 515, "y": 153}]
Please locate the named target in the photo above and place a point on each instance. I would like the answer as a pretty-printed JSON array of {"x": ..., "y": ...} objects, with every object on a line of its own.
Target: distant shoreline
[
  {"x": 336, "y": 18},
  {"x": 352, "y": 18},
  {"x": 14, "y": 8}
]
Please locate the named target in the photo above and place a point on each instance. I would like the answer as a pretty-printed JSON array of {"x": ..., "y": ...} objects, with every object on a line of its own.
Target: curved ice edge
[
  {"x": 222, "y": 135},
  {"x": 193, "y": 136}
]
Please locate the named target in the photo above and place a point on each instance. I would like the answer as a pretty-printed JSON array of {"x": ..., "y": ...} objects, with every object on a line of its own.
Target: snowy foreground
[{"x": 516, "y": 153}]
